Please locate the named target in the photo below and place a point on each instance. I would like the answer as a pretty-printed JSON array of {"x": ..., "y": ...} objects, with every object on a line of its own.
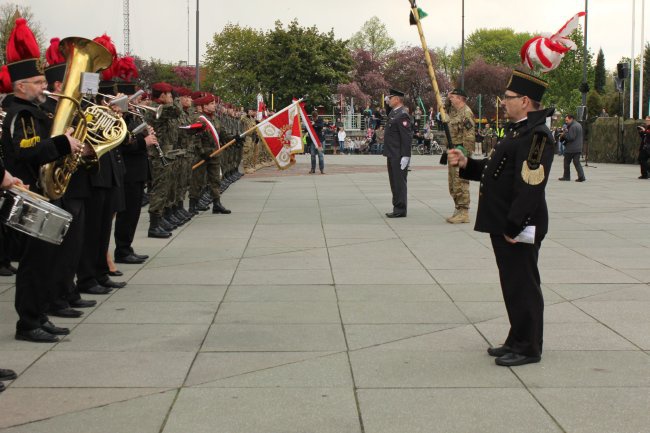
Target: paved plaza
[{"x": 307, "y": 311}]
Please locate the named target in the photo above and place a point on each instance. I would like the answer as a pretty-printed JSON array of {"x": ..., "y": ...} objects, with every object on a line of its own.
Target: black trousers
[
  {"x": 70, "y": 253},
  {"x": 93, "y": 267},
  {"x": 397, "y": 179},
  {"x": 126, "y": 221},
  {"x": 643, "y": 162},
  {"x": 575, "y": 158},
  {"x": 522, "y": 293},
  {"x": 34, "y": 279}
]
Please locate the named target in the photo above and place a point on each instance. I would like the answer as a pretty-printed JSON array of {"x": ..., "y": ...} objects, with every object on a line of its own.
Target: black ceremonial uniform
[
  {"x": 397, "y": 144},
  {"x": 136, "y": 164},
  {"x": 26, "y": 145},
  {"x": 507, "y": 204}
]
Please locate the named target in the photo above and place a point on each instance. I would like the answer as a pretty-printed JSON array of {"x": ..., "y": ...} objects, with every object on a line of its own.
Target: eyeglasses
[
  {"x": 37, "y": 82},
  {"x": 506, "y": 97}
]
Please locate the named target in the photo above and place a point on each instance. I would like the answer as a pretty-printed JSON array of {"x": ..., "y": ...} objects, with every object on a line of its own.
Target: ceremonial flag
[
  {"x": 281, "y": 134},
  {"x": 310, "y": 128},
  {"x": 202, "y": 125},
  {"x": 262, "y": 113}
]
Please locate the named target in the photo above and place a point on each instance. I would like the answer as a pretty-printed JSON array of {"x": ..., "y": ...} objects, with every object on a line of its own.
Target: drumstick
[{"x": 32, "y": 193}]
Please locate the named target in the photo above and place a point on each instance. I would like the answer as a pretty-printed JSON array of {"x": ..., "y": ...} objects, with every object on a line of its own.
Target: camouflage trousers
[
  {"x": 458, "y": 188},
  {"x": 209, "y": 173},
  {"x": 184, "y": 175},
  {"x": 248, "y": 156},
  {"x": 159, "y": 190}
]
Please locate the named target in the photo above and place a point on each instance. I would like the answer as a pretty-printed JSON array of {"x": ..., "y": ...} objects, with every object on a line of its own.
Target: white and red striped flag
[
  {"x": 310, "y": 128},
  {"x": 281, "y": 134},
  {"x": 262, "y": 112}
]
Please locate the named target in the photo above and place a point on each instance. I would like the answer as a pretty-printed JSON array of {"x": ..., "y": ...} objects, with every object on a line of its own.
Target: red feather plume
[
  {"x": 125, "y": 69},
  {"x": 53, "y": 55},
  {"x": 22, "y": 44},
  {"x": 105, "y": 41},
  {"x": 5, "y": 80}
]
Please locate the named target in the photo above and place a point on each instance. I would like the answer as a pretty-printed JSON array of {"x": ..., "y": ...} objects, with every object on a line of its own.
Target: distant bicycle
[{"x": 433, "y": 149}]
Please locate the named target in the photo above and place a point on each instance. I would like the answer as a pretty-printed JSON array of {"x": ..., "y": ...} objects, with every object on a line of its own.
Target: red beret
[
  {"x": 182, "y": 91},
  {"x": 161, "y": 87},
  {"x": 204, "y": 100},
  {"x": 197, "y": 95}
]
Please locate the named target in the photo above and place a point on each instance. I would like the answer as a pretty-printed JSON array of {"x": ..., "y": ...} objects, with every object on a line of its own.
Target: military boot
[
  {"x": 193, "y": 206},
  {"x": 182, "y": 210},
  {"x": 455, "y": 213},
  {"x": 217, "y": 207},
  {"x": 166, "y": 225},
  {"x": 155, "y": 231},
  {"x": 461, "y": 217},
  {"x": 176, "y": 211},
  {"x": 170, "y": 217}
]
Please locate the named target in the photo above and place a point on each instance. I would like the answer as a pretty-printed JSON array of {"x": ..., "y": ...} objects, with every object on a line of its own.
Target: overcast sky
[{"x": 159, "y": 28}]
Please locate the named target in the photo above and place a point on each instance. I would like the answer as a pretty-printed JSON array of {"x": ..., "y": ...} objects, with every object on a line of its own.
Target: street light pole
[
  {"x": 584, "y": 63},
  {"x": 462, "y": 48},
  {"x": 196, "y": 87}
]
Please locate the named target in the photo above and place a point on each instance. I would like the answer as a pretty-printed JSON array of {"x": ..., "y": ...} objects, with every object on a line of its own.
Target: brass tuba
[{"x": 96, "y": 126}]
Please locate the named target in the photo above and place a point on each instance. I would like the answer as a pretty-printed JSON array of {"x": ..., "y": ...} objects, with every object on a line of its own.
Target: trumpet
[{"x": 125, "y": 104}]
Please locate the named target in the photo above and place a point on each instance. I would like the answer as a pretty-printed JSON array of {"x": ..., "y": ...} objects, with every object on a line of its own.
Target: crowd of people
[{"x": 156, "y": 137}]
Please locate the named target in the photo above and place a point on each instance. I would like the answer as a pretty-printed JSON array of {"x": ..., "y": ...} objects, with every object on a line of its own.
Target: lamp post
[
  {"x": 584, "y": 64},
  {"x": 462, "y": 48},
  {"x": 197, "y": 46}
]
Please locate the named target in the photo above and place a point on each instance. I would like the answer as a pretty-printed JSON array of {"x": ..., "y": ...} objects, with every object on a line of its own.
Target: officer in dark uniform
[
  {"x": 26, "y": 145},
  {"x": 397, "y": 150},
  {"x": 512, "y": 204}
]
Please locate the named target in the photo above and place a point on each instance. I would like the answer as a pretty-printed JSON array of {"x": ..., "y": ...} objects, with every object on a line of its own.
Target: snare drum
[{"x": 33, "y": 216}]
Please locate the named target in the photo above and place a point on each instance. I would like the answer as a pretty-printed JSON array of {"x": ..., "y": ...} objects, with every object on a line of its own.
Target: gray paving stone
[
  {"x": 322, "y": 371},
  {"x": 612, "y": 312},
  {"x": 381, "y": 276},
  {"x": 134, "y": 338},
  {"x": 54, "y": 402},
  {"x": 269, "y": 293},
  {"x": 400, "y": 312},
  {"x": 107, "y": 369},
  {"x": 283, "y": 276},
  {"x": 273, "y": 337},
  {"x": 586, "y": 410},
  {"x": 190, "y": 313},
  {"x": 139, "y": 415},
  {"x": 572, "y": 369},
  {"x": 268, "y": 410},
  {"x": 390, "y": 292},
  {"x": 376, "y": 368},
  {"x": 452, "y": 411},
  {"x": 169, "y": 293},
  {"x": 278, "y": 312},
  {"x": 364, "y": 336},
  {"x": 205, "y": 271}
]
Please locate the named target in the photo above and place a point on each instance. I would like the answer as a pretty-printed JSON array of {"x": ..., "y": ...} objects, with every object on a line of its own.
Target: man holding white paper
[{"x": 512, "y": 209}]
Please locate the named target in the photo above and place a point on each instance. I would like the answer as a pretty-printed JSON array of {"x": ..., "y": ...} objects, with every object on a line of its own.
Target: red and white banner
[
  {"x": 281, "y": 133},
  {"x": 310, "y": 128},
  {"x": 262, "y": 112}
]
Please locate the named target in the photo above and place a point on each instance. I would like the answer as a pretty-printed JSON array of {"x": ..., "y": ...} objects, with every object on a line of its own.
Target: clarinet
[{"x": 143, "y": 128}]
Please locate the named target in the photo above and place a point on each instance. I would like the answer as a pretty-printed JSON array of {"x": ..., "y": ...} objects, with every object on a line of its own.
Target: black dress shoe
[
  {"x": 564, "y": 179},
  {"x": 51, "y": 328},
  {"x": 96, "y": 290},
  {"x": 580, "y": 179},
  {"x": 112, "y": 284},
  {"x": 498, "y": 351},
  {"x": 2, "y": 386},
  {"x": 6, "y": 374},
  {"x": 396, "y": 214},
  {"x": 513, "y": 359},
  {"x": 83, "y": 303},
  {"x": 131, "y": 259},
  {"x": 116, "y": 273},
  {"x": 140, "y": 256},
  {"x": 5, "y": 271},
  {"x": 36, "y": 336},
  {"x": 66, "y": 312}
]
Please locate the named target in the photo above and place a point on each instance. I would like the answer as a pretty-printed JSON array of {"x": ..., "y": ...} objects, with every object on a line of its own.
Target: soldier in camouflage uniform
[
  {"x": 212, "y": 165},
  {"x": 166, "y": 128},
  {"x": 187, "y": 144},
  {"x": 248, "y": 156},
  {"x": 461, "y": 128}
]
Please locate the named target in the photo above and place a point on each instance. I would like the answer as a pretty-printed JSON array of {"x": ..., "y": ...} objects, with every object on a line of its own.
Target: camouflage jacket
[
  {"x": 166, "y": 126},
  {"x": 461, "y": 127}
]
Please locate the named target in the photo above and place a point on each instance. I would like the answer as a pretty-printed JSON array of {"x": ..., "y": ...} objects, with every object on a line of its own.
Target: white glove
[{"x": 404, "y": 162}]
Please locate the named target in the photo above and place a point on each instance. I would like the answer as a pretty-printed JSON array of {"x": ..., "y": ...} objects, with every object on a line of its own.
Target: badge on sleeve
[{"x": 405, "y": 123}]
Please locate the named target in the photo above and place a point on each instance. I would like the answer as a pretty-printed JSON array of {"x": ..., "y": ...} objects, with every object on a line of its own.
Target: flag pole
[{"x": 243, "y": 134}]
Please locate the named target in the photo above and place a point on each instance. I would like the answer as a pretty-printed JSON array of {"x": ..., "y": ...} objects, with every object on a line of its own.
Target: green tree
[
  {"x": 7, "y": 22},
  {"x": 600, "y": 73},
  {"x": 373, "y": 37},
  {"x": 299, "y": 61},
  {"x": 154, "y": 71},
  {"x": 232, "y": 61}
]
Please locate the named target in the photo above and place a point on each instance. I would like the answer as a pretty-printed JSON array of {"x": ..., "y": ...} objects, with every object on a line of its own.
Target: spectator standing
[
  {"x": 573, "y": 149},
  {"x": 341, "y": 138},
  {"x": 644, "y": 148},
  {"x": 317, "y": 122}
]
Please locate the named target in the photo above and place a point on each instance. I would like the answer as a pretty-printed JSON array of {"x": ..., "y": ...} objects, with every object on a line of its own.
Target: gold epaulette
[{"x": 532, "y": 171}]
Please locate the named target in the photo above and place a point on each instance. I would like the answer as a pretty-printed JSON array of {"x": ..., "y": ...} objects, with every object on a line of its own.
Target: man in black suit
[
  {"x": 511, "y": 205},
  {"x": 136, "y": 164},
  {"x": 397, "y": 150}
]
